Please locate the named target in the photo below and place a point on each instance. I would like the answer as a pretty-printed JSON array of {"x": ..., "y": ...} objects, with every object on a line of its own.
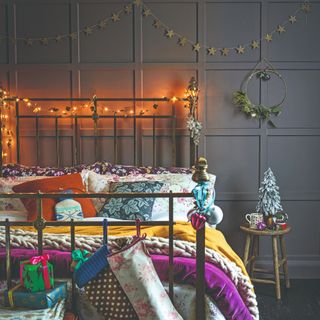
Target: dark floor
[{"x": 300, "y": 302}]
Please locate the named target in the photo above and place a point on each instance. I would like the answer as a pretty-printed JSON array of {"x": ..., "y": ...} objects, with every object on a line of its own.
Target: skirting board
[{"x": 307, "y": 267}]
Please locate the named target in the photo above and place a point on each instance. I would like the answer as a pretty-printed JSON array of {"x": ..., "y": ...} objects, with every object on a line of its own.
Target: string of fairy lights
[
  {"x": 7, "y": 104},
  {"x": 167, "y": 31}
]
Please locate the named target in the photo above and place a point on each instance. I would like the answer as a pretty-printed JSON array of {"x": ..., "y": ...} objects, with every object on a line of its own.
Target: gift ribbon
[
  {"x": 10, "y": 294},
  {"x": 80, "y": 256},
  {"x": 44, "y": 261}
]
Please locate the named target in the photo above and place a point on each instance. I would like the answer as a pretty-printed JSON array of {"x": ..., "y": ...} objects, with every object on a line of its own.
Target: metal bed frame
[{"x": 40, "y": 223}]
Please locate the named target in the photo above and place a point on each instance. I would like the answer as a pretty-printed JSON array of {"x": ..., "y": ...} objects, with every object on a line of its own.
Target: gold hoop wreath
[{"x": 259, "y": 111}]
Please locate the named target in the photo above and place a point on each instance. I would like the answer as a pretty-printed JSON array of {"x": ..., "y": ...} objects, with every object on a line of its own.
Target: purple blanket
[{"x": 218, "y": 286}]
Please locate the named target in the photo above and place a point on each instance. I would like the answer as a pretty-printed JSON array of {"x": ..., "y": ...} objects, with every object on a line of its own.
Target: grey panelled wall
[{"x": 131, "y": 58}]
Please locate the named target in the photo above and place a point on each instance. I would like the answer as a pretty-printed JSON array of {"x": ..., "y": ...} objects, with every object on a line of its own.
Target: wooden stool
[{"x": 253, "y": 238}]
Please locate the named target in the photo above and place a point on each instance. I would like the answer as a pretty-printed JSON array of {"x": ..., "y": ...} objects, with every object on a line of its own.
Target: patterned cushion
[{"x": 130, "y": 208}]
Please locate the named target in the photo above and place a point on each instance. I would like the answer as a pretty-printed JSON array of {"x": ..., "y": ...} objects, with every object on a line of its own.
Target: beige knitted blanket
[{"x": 155, "y": 245}]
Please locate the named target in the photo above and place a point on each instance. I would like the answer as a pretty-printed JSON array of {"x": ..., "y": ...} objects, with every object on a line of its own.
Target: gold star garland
[{"x": 168, "y": 31}]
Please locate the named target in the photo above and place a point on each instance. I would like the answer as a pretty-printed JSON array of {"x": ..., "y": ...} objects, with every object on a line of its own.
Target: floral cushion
[
  {"x": 135, "y": 272},
  {"x": 130, "y": 208},
  {"x": 6, "y": 185}
]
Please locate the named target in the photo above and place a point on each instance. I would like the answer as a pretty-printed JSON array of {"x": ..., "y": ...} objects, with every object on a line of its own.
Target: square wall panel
[
  {"x": 182, "y": 19},
  {"x": 115, "y": 83},
  {"x": 220, "y": 111},
  {"x": 301, "y": 107},
  {"x": 295, "y": 162},
  {"x": 42, "y": 83},
  {"x": 299, "y": 42},
  {"x": 235, "y": 162},
  {"x": 3, "y": 33},
  {"x": 167, "y": 83},
  {"x": 231, "y": 24},
  {"x": 50, "y": 20},
  {"x": 112, "y": 44}
]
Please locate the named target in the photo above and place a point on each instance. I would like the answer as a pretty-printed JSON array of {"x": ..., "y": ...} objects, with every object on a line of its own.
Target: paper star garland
[
  {"x": 306, "y": 7},
  {"x": 115, "y": 17},
  {"x": 88, "y": 30},
  {"x": 157, "y": 24},
  {"x": 281, "y": 29},
  {"x": 103, "y": 24},
  {"x": 137, "y": 3},
  {"x": 255, "y": 44},
  {"x": 128, "y": 8},
  {"x": 29, "y": 42},
  {"x": 146, "y": 12},
  {"x": 293, "y": 19},
  {"x": 169, "y": 34},
  {"x": 44, "y": 41},
  {"x": 224, "y": 51},
  {"x": 58, "y": 38},
  {"x": 196, "y": 47},
  {"x": 212, "y": 51},
  {"x": 182, "y": 41},
  {"x": 268, "y": 37},
  {"x": 240, "y": 49},
  {"x": 73, "y": 36}
]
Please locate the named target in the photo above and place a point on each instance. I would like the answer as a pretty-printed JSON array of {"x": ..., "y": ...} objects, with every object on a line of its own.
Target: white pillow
[{"x": 14, "y": 215}]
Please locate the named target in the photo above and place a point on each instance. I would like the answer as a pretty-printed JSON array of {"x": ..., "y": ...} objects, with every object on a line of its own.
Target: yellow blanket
[{"x": 182, "y": 231}]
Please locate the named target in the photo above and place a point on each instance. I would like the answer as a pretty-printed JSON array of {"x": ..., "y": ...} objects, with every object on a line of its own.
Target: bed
[{"x": 204, "y": 277}]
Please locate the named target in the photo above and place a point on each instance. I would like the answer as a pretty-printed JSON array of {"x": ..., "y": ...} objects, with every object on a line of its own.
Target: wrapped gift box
[
  {"x": 21, "y": 297},
  {"x": 36, "y": 274}
]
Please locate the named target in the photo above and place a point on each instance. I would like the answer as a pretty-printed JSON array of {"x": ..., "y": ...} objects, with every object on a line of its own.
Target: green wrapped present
[
  {"x": 36, "y": 274},
  {"x": 21, "y": 297}
]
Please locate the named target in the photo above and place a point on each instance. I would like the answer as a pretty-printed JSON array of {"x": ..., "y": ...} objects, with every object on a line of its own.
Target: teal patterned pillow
[{"x": 130, "y": 208}]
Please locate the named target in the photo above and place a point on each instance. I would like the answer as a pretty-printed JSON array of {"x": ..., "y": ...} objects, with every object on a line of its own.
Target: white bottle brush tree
[{"x": 269, "y": 197}]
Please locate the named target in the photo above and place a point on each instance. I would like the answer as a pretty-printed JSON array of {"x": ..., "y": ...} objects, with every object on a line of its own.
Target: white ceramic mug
[{"x": 253, "y": 219}]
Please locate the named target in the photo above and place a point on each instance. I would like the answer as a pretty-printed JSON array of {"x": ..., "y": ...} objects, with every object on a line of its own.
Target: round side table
[{"x": 252, "y": 242}]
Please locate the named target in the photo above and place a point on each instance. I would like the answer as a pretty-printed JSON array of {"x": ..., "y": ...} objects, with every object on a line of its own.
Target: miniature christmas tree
[{"x": 269, "y": 197}]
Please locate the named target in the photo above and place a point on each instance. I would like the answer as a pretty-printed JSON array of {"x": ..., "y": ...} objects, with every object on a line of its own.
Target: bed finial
[{"x": 200, "y": 173}]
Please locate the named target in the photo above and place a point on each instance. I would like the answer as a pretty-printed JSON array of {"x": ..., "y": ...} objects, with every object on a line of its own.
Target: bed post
[{"x": 200, "y": 175}]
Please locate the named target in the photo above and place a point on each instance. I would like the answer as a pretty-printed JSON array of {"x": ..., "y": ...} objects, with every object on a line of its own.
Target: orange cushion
[{"x": 57, "y": 184}]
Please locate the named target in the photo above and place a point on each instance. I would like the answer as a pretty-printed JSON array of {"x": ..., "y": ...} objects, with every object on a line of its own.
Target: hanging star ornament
[
  {"x": 88, "y": 30},
  {"x": 281, "y": 29},
  {"x": 196, "y": 47},
  {"x": 44, "y": 41},
  {"x": 146, "y": 12},
  {"x": 268, "y": 37},
  {"x": 254, "y": 44},
  {"x": 212, "y": 51},
  {"x": 128, "y": 9},
  {"x": 102, "y": 24},
  {"x": 306, "y": 7},
  {"x": 137, "y": 3},
  {"x": 29, "y": 42},
  {"x": 240, "y": 49},
  {"x": 293, "y": 19},
  {"x": 58, "y": 38},
  {"x": 182, "y": 41},
  {"x": 73, "y": 36},
  {"x": 156, "y": 24},
  {"x": 169, "y": 34},
  {"x": 115, "y": 17},
  {"x": 224, "y": 51}
]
